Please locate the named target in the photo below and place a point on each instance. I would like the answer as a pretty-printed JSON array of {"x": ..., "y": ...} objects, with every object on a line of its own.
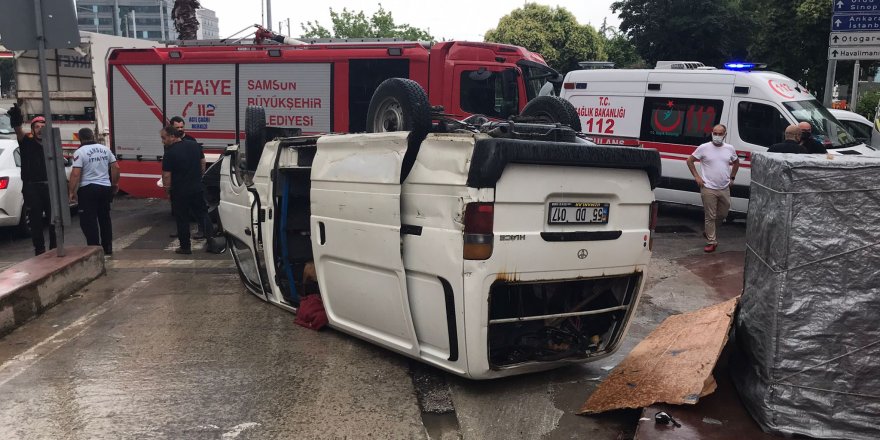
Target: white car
[
  {"x": 860, "y": 127},
  {"x": 11, "y": 200}
]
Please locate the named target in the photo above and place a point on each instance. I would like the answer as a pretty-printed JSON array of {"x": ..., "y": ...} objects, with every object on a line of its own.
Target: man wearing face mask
[
  {"x": 807, "y": 141},
  {"x": 718, "y": 166}
]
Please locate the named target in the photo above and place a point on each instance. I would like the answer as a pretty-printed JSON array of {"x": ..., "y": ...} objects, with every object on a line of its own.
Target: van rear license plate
[{"x": 577, "y": 213}]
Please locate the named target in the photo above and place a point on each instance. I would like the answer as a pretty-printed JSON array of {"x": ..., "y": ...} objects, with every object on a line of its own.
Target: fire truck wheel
[
  {"x": 255, "y": 135},
  {"x": 399, "y": 104},
  {"x": 553, "y": 109}
]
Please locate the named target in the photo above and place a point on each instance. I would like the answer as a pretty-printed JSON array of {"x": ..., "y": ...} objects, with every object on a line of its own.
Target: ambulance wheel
[
  {"x": 255, "y": 135},
  {"x": 399, "y": 104},
  {"x": 553, "y": 109}
]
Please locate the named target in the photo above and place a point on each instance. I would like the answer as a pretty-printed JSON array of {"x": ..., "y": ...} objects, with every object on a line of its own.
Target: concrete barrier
[{"x": 34, "y": 285}]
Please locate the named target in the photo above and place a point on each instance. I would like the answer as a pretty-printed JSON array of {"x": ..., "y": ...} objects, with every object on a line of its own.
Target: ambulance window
[
  {"x": 680, "y": 120},
  {"x": 483, "y": 93},
  {"x": 760, "y": 124}
]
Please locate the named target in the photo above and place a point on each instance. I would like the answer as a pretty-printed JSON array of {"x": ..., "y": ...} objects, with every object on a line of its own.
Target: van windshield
[{"x": 826, "y": 128}]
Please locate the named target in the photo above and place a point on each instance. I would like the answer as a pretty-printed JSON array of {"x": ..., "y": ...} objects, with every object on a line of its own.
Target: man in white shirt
[
  {"x": 718, "y": 166},
  {"x": 93, "y": 181}
]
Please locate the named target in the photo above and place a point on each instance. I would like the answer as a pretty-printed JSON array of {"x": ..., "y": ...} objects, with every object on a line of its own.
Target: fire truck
[{"x": 316, "y": 86}]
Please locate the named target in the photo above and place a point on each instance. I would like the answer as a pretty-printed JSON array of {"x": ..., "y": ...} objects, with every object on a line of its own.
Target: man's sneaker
[
  {"x": 710, "y": 248},
  {"x": 183, "y": 251}
]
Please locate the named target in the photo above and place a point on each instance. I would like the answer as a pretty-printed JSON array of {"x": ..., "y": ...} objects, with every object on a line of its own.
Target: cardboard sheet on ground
[{"x": 672, "y": 365}]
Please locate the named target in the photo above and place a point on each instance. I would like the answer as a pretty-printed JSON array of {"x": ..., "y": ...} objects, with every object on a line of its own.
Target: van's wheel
[
  {"x": 553, "y": 109},
  {"x": 399, "y": 104},
  {"x": 254, "y": 134}
]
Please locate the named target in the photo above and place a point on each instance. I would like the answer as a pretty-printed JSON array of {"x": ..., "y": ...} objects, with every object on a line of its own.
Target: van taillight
[
  {"x": 4, "y": 182},
  {"x": 568, "y": 86},
  {"x": 652, "y": 224},
  {"x": 479, "y": 221}
]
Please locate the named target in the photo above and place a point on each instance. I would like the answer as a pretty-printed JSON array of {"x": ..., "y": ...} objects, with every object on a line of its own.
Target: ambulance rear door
[{"x": 610, "y": 111}]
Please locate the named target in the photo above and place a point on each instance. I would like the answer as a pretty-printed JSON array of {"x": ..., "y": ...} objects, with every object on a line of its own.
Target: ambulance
[
  {"x": 317, "y": 86},
  {"x": 673, "y": 108}
]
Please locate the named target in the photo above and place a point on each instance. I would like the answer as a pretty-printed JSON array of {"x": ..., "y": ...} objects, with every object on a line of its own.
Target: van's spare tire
[
  {"x": 399, "y": 104},
  {"x": 553, "y": 109},
  {"x": 254, "y": 135}
]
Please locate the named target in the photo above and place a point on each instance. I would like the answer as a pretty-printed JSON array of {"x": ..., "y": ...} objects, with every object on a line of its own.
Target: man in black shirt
[
  {"x": 182, "y": 168},
  {"x": 35, "y": 182},
  {"x": 179, "y": 124},
  {"x": 791, "y": 145},
  {"x": 808, "y": 141}
]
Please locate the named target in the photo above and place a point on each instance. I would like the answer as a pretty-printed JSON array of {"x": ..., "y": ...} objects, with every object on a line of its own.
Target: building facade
[
  {"x": 209, "y": 25},
  {"x": 144, "y": 19}
]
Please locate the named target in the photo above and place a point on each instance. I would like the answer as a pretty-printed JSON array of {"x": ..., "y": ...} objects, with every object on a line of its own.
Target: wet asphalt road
[{"x": 172, "y": 347}]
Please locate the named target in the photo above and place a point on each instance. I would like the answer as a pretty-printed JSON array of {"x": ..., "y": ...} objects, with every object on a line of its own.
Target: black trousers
[
  {"x": 36, "y": 200},
  {"x": 189, "y": 206},
  {"x": 94, "y": 220}
]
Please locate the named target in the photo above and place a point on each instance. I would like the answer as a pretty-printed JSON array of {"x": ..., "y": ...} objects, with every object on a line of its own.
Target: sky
[{"x": 446, "y": 19}]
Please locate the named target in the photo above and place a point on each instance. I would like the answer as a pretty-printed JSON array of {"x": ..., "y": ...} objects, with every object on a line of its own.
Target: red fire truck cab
[{"x": 318, "y": 87}]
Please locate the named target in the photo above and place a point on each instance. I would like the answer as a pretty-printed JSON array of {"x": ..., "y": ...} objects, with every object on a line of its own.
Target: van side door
[
  {"x": 356, "y": 241},
  {"x": 239, "y": 211}
]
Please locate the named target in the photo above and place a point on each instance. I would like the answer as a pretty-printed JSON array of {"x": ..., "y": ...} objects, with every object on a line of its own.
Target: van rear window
[{"x": 680, "y": 120}]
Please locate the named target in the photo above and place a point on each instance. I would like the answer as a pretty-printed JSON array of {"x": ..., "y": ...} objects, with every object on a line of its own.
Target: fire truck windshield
[
  {"x": 489, "y": 93},
  {"x": 536, "y": 75}
]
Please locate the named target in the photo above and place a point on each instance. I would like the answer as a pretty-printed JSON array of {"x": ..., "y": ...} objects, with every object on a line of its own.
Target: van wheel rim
[{"x": 390, "y": 116}]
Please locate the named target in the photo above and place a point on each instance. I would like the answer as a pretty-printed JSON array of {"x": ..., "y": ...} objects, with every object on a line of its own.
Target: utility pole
[
  {"x": 288, "y": 27},
  {"x": 162, "y": 18},
  {"x": 829, "y": 82},
  {"x": 116, "y": 17},
  {"x": 134, "y": 25},
  {"x": 269, "y": 14},
  {"x": 855, "y": 88}
]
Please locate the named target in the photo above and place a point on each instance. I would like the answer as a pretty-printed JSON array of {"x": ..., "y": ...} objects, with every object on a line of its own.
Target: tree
[
  {"x": 619, "y": 48},
  {"x": 791, "y": 36},
  {"x": 710, "y": 31},
  {"x": 552, "y": 32},
  {"x": 867, "y": 104},
  {"x": 351, "y": 24}
]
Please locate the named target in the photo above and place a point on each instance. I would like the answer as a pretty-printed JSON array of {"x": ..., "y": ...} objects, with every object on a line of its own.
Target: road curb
[{"x": 31, "y": 287}]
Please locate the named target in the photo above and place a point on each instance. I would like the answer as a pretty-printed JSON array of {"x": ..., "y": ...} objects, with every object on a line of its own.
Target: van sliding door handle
[{"x": 247, "y": 231}]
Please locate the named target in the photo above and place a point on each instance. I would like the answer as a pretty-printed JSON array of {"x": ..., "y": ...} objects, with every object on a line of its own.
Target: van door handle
[{"x": 247, "y": 231}]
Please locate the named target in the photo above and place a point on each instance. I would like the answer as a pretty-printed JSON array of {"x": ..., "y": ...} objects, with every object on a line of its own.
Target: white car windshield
[
  {"x": 5, "y": 125},
  {"x": 826, "y": 128}
]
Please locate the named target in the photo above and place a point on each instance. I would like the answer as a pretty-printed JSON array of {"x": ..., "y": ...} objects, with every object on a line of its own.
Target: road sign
[
  {"x": 854, "y": 53},
  {"x": 855, "y": 22},
  {"x": 856, "y": 6},
  {"x": 854, "y": 39},
  {"x": 59, "y": 24}
]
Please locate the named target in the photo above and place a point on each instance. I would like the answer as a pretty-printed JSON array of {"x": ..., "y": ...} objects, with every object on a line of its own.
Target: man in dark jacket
[
  {"x": 791, "y": 144},
  {"x": 808, "y": 141},
  {"x": 35, "y": 182},
  {"x": 182, "y": 168}
]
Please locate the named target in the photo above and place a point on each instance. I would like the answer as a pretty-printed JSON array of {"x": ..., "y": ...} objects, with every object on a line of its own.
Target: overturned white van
[{"x": 485, "y": 252}]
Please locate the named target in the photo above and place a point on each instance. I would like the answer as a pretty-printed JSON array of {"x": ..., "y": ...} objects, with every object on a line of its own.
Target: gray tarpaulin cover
[{"x": 809, "y": 317}]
